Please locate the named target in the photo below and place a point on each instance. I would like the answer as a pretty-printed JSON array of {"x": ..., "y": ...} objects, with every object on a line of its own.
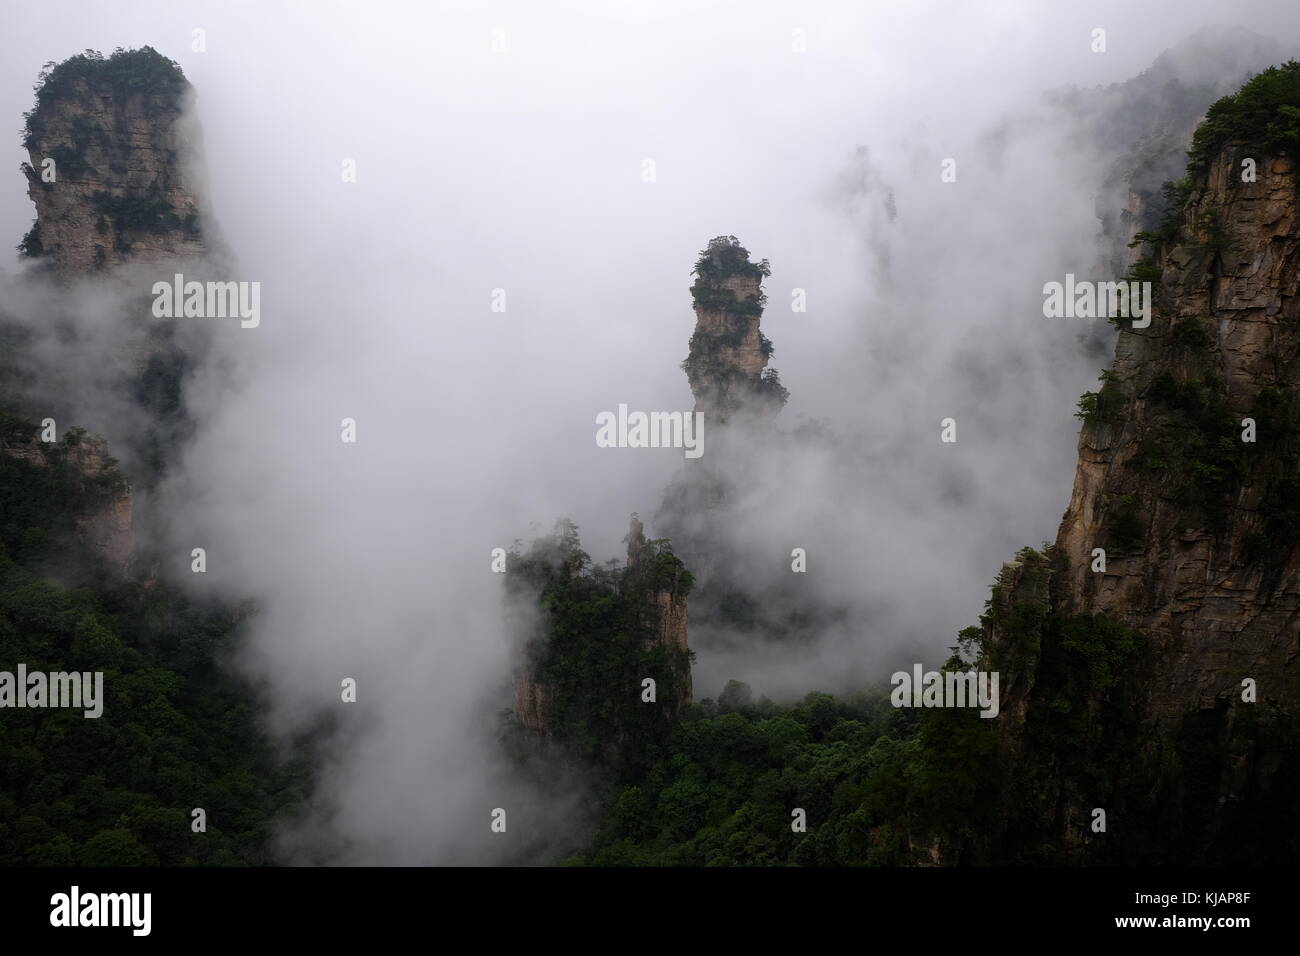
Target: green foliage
[
  {"x": 659, "y": 570},
  {"x": 725, "y": 300},
  {"x": 1191, "y": 334},
  {"x": 1274, "y": 413},
  {"x": 723, "y": 379},
  {"x": 599, "y": 641},
  {"x": 1174, "y": 196},
  {"x": 1145, "y": 269},
  {"x": 867, "y": 776},
  {"x": 147, "y": 214},
  {"x": 1126, "y": 528},
  {"x": 1106, "y": 405},
  {"x": 707, "y": 344},
  {"x": 723, "y": 259},
  {"x": 30, "y": 247},
  {"x": 770, "y": 387},
  {"x": 1081, "y": 709},
  {"x": 42, "y": 503},
  {"x": 737, "y": 695},
  {"x": 1200, "y": 445},
  {"x": 881, "y": 785},
  {"x": 176, "y": 731},
  {"x": 124, "y": 73},
  {"x": 1264, "y": 114},
  {"x": 1100, "y": 648}
]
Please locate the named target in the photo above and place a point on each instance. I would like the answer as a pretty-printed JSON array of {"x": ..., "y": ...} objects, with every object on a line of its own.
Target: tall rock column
[
  {"x": 111, "y": 148},
  {"x": 108, "y": 146},
  {"x": 727, "y": 364}
]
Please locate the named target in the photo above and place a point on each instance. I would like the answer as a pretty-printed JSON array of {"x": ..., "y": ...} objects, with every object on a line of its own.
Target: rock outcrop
[
  {"x": 112, "y": 151},
  {"x": 102, "y": 515},
  {"x": 727, "y": 364},
  {"x": 109, "y": 148},
  {"x": 1140, "y": 128},
  {"x": 662, "y": 584},
  {"x": 581, "y": 671},
  {"x": 531, "y": 702},
  {"x": 1175, "y": 575},
  {"x": 1203, "y": 560}
]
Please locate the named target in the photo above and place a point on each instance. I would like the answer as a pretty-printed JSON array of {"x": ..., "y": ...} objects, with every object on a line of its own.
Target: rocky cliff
[
  {"x": 659, "y": 581},
  {"x": 1146, "y": 122},
  {"x": 1197, "y": 512},
  {"x": 109, "y": 147},
  {"x": 727, "y": 364},
  {"x": 580, "y": 677},
  {"x": 99, "y": 519},
  {"x": 1167, "y": 614}
]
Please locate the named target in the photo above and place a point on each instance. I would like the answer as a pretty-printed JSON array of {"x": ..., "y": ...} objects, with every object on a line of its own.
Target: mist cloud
[{"x": 522, "y": 171}]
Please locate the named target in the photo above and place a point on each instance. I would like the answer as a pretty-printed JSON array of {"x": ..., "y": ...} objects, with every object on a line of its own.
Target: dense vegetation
[
  {"x": 1264, "y": 114},
  {"x": 30, "y": 246},
  {"x": 716, "y": 783},
  {"x": 597, "y": 644},
  {"x": 143, "y": 71},
  {"x": 886, "y": 786},
  {"x": 79, "y": 80},
  {"x": 1105, "y": 405},
  {"x": 147, "y": 214},
  {"x": 725, "y": 258},
  {"x": 1199, "y": 445},
  {"x": 176, "y": 733},
  {"x": 1173, "y": 199},
  {"x": 870, "y": 778}
]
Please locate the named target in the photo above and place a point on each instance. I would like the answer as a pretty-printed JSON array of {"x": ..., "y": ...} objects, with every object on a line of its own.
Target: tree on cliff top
[
  {"x": 125, "y": 71},
  {"x": 722, "y": 259},
  {"x": 1265, "y": 113},
  {"x": 725, "y": 256}
]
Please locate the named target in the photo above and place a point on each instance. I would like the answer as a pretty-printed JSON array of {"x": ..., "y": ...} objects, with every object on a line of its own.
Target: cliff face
[
  {"x": 580, "y": 677},
  {"x": 531, "y": 702},
  {"x": 658, "y": 581},
  {"x": 111, "y": 146},
  {"x": 1197, "y": 578},
  {"x": 1141, "y": 127},
  {"x": 728, "y": 375},
  {"x": 115, "y": 131},
  {"x": 1200, "y": 589},
  {"x": 101, "y": 518},
  {"x": 728, "y": 351}
]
